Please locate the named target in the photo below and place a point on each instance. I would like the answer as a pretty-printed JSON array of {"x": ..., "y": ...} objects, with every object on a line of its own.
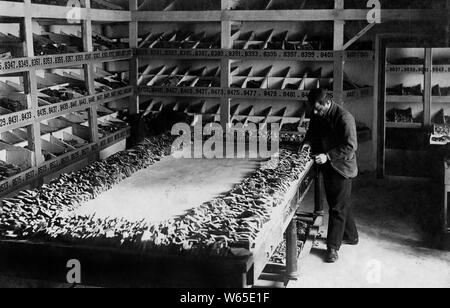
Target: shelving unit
[
  {"x": 263, "y": 66},
  {"x": 57, "y": 92},
  {"x": 419, "y": 102},
  {"x": 239, "y": 57}
]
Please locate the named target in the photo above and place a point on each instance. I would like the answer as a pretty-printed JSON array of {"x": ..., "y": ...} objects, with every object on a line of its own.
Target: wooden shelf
[
  {"x": 19, "y": 9},
  {"x": 273, "y": 87},
  {"x": 27, "y": 117},
  {"x": 61, "y": 162},
  {"x": 61, "y": 130},
  {"x": 418, "y": 69},
  {"x": 405, "y": 69},
  {"x": 296, "y": 55},
  {"x": 440, "y": 99},
  {"x": 15, "y": 65},
  {"x": 404, "y": 99},
  {"x": 403, "y": 125},
  {"x": 285, "y": 15},
  {"x": 441, "y": 69},
  {"x": 238, "y": 93}
]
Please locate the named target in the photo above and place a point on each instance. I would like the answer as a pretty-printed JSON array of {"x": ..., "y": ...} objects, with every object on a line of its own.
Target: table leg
[
  {"x": 318, "y": 193},
  {"x": 292, "y": 272}
]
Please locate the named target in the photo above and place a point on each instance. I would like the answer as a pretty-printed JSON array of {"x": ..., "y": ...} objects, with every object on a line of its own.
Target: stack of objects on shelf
[
  {"x": 177, "y": 76},
  {"x": 271, "y": 40},
  {"x": 49, "y": 43},
  {"x": 62, "y": 134},
  {"x": 181, "y": 39},
  {"x": 10, "y": 46},
  {"x": 441, "y": 134}
]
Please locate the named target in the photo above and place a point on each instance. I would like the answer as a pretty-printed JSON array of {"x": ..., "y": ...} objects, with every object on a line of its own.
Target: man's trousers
[{"x": 338, "y": 191}]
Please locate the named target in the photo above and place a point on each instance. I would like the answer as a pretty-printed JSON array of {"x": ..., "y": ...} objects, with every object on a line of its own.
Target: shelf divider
[
  {"x": 89, "y": 73},
  {"x": 225, "y": 68},
  {"x": 338, "y": 84},
  {"x": 134, "y": 62},
  {"x": 428, "y": 85},
  {"x": 30, "y": 87}
]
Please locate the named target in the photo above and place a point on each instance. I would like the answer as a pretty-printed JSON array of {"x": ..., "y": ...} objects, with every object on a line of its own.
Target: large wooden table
[{"x": 166, "y": 189}]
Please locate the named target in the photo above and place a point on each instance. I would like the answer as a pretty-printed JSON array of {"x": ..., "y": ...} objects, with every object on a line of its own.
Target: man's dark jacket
[{"x": 335, "y": 135}]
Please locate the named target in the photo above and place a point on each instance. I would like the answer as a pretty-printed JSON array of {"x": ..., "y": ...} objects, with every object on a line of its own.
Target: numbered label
[{"x": 22, "y": 64}]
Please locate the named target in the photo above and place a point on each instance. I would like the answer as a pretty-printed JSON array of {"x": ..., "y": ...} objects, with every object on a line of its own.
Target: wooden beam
[
  {"x": 110, "y": 15},
  {"x": 411, "y": 15},
  {"x": 133, "y": 108},
  {"x": 447, "y": 26},
  {"x": 428, "y": 85},
  {"x": 16, "y": 9},
  {"x": 286, "y": 15},
  {"x": 225, "y": 68},
  {"x": 358, "y": 36},
  {"x": 30, "y": 87},
  {"x": 335, "y": 14},
  {"x": 338, "y": 44},
  {"x": 379, "y": 134},
  {"x": 173, "y": 16},
  {"x": 89, "y": 76}
]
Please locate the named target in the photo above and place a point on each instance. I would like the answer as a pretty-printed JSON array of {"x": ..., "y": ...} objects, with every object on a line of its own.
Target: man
[{"x": 332, "y": 139}]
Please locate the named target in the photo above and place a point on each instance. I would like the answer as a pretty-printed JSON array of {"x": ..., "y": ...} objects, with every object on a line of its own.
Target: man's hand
[
  {"x": 306, "y": 148},
  {"x": 321, "y": 159}
]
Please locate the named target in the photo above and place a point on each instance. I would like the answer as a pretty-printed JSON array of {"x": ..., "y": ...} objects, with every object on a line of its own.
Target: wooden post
[
  {"x": 338, "y": 81},
  {"x": 446, "y": 210},
  {"x": 89, "y": 75},
  {"x": 318, "y": 193},
  {"x": 428, "y": 85},
  {"x": 134, "y": 102},
  {"x": 292, "y": 272},
  {"x": 134, "y": 64},
  {"x": 446, "y": 218},
  {"x": 447, "y": 26},
  {"x": 225, "y": 68},
  {"x": 30, "y": 87},
  {"x": 380, "y": 105}
]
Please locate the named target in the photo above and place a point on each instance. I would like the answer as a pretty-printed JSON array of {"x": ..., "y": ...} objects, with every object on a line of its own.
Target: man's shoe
[
  {"x": 350, "y": 242},
  {"x": 332, "y": 256}
]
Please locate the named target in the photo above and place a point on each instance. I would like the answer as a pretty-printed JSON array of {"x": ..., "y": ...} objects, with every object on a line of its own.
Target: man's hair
[{"x": 319, "y": 96}]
